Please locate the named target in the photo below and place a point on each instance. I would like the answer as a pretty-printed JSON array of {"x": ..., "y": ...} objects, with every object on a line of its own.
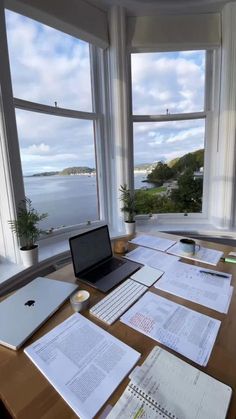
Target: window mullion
[
  {"x": 169, "y": 117},
  {"x": 53, "y": 110}
]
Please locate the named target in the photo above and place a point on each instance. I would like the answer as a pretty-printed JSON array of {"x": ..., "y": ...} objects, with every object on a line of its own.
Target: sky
[{"x": 48, "y": 66}]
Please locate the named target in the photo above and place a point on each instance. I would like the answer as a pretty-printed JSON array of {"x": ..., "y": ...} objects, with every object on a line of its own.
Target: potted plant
[
  {"x": 26, "y": 229},
  {"x": 128, "y": 200}
]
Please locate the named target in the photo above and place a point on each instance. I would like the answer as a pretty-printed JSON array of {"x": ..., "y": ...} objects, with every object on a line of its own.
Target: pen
[{"x": 214, "y": 274}]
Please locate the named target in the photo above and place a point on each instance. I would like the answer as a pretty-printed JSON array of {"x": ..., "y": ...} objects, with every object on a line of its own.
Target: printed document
[
  {"x": 166, "y": 387},
  {"x": 83, "y": 362},
  {"x": 186, "y": 331},
  {"x": 203, "y": 286},
  {"x": 204, "y": 254},
  {"x": 154, "y": 242},
  {"x": 150, "y": 257}
]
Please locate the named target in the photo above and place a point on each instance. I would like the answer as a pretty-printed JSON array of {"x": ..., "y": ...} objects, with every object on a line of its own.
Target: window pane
[
  {"x": 168, "y": 82},
  {"x": 47, "y": 65},
  {"x": 48, "y": 146},
  {"x": 169, "y": 165}
]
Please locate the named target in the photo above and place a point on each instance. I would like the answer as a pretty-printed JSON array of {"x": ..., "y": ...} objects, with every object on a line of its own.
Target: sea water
[{"x": 68, "y": 200}]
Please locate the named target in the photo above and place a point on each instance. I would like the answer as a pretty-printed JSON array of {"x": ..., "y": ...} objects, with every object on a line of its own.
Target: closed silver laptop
[{"x": 28, "y": 308}]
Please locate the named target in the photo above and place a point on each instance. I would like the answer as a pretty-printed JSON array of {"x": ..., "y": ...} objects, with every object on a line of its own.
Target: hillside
[
  {"x": 76, "y": 170},
  {"x": 193, "y": 160},
  {"x": 68, "y": 171}
]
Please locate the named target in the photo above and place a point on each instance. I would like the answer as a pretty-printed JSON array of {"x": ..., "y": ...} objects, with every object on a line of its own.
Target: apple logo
[{"x": 30, "y": 303}]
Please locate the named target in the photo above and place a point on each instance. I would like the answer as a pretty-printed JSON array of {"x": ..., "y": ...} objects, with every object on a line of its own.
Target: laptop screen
[{"x": 90, "y": 248}]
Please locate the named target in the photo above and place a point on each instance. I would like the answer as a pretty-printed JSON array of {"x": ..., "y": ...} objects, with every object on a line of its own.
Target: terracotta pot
[{"x": 29, "y": 257}]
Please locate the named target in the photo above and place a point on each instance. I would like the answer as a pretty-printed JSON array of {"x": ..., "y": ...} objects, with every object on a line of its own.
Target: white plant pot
[
  {"x": 130, "y": 228},
  {"x": 29, "y": 257}
]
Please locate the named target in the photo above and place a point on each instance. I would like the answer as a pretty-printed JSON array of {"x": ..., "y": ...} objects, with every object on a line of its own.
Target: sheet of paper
[
  {"x": 186, "y": 331},
  {"x": 153, "y": 258},
  {"x": 204, "y": 254},
  {"x": 83, "y": 362},
  {"x": 154, "y": 242},
  {"x": 203, "y": 286},
  {"x": 147, "y": 275}
]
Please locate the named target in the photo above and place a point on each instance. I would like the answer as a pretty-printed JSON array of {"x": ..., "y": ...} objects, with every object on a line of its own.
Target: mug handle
[{"x": 197, "y": 248}]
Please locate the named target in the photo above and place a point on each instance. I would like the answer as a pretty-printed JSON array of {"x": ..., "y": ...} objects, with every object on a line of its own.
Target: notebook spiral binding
[{"x": 149, "y": 401}]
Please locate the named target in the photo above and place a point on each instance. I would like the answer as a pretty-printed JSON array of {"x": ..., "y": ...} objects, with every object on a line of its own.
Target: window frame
[
  {"x": 12, "y": 186},
  {"x": 206, "y": 115}
]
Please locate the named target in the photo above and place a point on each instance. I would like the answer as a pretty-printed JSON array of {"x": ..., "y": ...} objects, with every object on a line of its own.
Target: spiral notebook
[{"x": 167, "y": 387}]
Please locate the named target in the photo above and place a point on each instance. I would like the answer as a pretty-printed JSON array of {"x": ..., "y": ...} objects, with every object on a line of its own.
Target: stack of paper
[
  {"x": 83, "y": 362},
  {"x": 203, "y": 286},
  {"x": 157, "y": 243},
  {"x": 186, "y": 331},
  {"x": 153, "y": 258},
  {"x": 204, "y": 254}
]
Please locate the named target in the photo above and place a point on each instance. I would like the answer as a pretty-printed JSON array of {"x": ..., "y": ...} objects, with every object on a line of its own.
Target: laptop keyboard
[
  {"x": 110, "y": 308},
  {"x": 105, "y": 268}
]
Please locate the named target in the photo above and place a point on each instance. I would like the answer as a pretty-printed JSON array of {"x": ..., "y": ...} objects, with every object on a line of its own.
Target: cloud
[
  {"x": 167, "y": 140},
  {"x": 172, "y": 81},
  {"x": 37, "y": 149},
  {"x": 49, "y": 66}
]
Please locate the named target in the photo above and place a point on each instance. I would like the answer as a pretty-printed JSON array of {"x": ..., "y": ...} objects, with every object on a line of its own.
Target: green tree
[
  {"x": 188, "y": 196},
  {"x": 161, "y": 173},
  {"x": 147, "y": 203}
]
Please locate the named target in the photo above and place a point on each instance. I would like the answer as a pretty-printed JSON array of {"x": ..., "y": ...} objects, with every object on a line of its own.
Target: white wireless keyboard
[{"x": 110, "y": 308}]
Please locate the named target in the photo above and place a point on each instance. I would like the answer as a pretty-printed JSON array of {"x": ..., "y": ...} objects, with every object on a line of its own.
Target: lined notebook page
[
  {"x": 180, "y": 388},
  {"x": 165, "y": 386}
]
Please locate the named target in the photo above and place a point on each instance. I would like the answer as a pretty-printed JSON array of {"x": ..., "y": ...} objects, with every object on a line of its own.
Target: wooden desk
[{"x": 26, "y": 394}]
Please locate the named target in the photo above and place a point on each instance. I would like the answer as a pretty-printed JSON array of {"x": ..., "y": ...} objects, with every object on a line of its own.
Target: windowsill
[{"x": 195, "y": 226}]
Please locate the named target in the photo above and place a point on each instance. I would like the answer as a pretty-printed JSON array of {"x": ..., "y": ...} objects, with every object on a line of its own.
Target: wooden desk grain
[{"x": 26, "y": 394}]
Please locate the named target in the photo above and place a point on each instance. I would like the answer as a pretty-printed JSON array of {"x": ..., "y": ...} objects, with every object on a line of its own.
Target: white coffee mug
[{"x": 188, "y": 246}]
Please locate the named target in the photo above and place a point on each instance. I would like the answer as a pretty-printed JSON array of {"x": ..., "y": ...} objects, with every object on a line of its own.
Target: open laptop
[
  {"x": 29, "y": 307},
  {"x": 94, "y": 263}
]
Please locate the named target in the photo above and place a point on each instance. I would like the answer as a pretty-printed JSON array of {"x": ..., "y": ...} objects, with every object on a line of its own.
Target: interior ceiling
[{"x": 148, "y": 7}]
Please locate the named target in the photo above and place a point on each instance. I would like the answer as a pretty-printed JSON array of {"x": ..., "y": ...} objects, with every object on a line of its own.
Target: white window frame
[
  {"x": 206, "y": 115},
  {"x": 11, "y": 177}
]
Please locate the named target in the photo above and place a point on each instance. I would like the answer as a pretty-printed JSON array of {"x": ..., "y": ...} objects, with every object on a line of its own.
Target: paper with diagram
[
  {"x": 186, "y": 331},
  {"x": 203, "y": 286}
]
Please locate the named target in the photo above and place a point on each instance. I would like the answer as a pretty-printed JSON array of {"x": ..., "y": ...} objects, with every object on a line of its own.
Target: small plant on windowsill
[
  {"x": 128, "y": 200},
  {"x": 27, "y": 231}
]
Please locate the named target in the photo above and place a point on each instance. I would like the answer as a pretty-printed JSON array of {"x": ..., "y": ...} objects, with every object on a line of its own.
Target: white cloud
[
  {"x": 37, "y": 149},
  {"x": 49, "y": 66},
  {"x": 170, "y": 81}
]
